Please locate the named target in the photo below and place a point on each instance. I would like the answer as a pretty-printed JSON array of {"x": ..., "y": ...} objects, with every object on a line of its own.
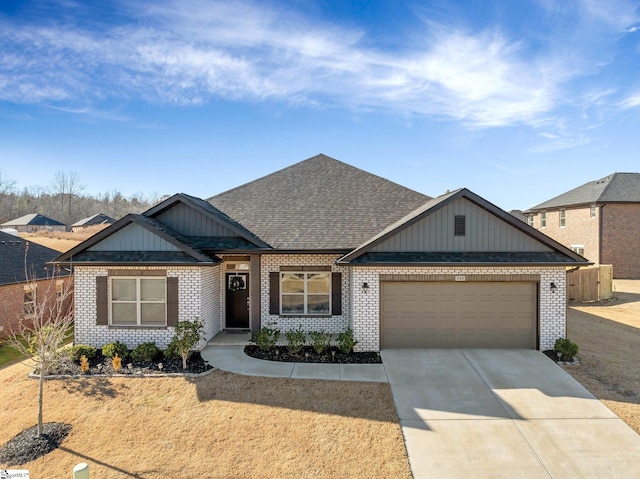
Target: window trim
[
  {"x": 576, "y": 247},
  {"x": 138, "y": 301},
  {"x": 531, "y": 220},
  {"x": 593, "y": 211},
  {"x": 562, "y": 216},
  {"x": 305, "y": 294},
  {"x": 543, "y": 219}
]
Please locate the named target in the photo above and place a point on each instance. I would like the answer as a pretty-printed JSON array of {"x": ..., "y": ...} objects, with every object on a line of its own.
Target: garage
[{"x": 424, "y": 314}]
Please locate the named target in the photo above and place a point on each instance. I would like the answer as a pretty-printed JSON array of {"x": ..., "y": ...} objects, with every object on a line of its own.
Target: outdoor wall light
[
  {"x": 553, "y": 287},
  {"x": 365, "y": 287}
]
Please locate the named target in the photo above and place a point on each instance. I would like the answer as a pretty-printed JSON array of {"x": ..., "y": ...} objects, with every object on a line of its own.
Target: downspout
[{"x": 600, "y": 234}]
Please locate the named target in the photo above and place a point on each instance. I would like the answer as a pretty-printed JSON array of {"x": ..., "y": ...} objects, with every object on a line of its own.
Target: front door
[{"x": 237, "y": 300}]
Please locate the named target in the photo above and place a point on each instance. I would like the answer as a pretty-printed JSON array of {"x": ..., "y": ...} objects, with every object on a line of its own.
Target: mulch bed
[
  {"x": 27, "y": 446},
  {"x": 308, "y": 355},
  {"x": 102, "y": 366}
]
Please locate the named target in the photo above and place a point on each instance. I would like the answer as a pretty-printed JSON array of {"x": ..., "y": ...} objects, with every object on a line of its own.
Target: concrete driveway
[{"x": 504, "y": 413}]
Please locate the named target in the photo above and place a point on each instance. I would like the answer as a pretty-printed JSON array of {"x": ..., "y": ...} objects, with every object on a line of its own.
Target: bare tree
[
  {"x": 59, "y": 185},
  {"x": 73, "y": 188},
  {"x": 47, "y": 324}
]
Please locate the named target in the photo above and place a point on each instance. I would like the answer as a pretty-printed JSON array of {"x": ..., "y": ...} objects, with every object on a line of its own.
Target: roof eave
[{"x": 463, "y": 264}]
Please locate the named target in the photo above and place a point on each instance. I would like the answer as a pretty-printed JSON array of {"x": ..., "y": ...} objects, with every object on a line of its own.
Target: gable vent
[{"x": 460, "y": 225}]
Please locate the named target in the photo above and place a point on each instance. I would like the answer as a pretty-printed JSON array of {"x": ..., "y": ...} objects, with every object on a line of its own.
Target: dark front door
[{"x": 237, "y": 300}]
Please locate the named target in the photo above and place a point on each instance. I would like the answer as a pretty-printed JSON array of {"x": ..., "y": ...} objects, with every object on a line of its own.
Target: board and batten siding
[
  {"x": 133, "y": 238},
  {"x": 484, "y": 232},
  {"x": 191, "y": 222}
]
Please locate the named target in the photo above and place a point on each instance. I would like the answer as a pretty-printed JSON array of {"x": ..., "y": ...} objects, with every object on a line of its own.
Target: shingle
[
  {"x": 33, "y": 219},
  {"x": 617, "y": 187},
  {"x": 551, "y": 257},
  {"x": 12, "y": 259},
  {"x": 319, "y": 203},
  {"x": 136, "y": 257}
]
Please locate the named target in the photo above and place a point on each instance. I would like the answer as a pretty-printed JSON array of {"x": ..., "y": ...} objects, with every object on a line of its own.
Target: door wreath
[{"x": 236, "y": 283}]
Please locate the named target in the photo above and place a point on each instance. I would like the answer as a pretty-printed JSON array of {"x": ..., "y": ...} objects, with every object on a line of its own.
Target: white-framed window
[
  {"x": 530, "y": 220},
  {"x": 305, "y": 293},
  {"x": 563, "y": 218},
  {"x": 543, "y": 219},
  {"x": 592, "y": 211},
  {"x": 138, "y": 301},
  {"x": 29, "y": 300},
  {"x": 578, "y": 248}
]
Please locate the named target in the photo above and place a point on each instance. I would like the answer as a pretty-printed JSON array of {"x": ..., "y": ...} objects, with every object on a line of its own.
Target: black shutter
[
  {"x": 336, "y": 294},
  {"x": 274, "y": 292},
  {"x": 460, "y": 225},
  {"x": 172, "y": 301},
  {"x": 102, "y": 301}
]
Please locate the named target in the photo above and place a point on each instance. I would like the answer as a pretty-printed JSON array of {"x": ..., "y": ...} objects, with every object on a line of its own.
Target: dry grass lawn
[
  {"x": 608, "y": 335},
  {"x": 61, "y": 241},
  {"x": 219, "y": 426}
]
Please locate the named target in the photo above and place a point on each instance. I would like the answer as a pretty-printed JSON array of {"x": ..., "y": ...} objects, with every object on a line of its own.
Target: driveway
[{"x": 504, "y": 413}]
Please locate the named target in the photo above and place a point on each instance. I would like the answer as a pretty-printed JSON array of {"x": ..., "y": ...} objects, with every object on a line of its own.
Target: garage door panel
[{"x": 458, "y": 315}]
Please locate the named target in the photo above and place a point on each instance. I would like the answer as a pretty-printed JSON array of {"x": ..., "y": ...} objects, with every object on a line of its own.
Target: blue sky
[{"x": 517, "y": 100}]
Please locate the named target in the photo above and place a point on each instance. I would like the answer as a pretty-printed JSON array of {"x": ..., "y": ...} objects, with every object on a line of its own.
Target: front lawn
[{"x": 219, "y": 426}]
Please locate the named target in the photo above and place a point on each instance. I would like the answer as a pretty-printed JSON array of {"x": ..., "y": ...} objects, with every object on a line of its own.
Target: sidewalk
[{"x": 234, "y": 360}]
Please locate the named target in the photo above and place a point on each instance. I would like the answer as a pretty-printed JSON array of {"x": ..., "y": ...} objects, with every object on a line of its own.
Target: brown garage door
[{"x": 458, "y": 315}]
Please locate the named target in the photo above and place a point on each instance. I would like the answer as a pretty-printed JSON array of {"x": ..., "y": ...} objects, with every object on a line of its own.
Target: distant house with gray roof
[
  {"x": 322, "y": 245},
  {"x": 34, "y": 222},
  {"x": 599, "y": 220},
  {"x": 99, "y": 219}
]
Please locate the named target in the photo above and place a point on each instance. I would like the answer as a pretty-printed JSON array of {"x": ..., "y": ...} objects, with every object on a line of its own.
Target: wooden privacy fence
[{"x": 591, "y": 283}]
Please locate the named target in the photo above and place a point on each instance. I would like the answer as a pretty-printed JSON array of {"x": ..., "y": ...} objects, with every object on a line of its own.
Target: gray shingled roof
[
  {"x": 12, "y": 249},
  {"x": 33, "y": 219},
  {"x": 319, "y": 203},
  {"x": 97, "y": 219},
  {"x": 617, "y": 187}
]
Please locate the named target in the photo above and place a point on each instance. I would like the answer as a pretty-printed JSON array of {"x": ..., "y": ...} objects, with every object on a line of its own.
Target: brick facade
[
  {"x": 332, "y": 324},
  {"x": 366, "y": 306},
  {"x": 197, "y": 298},
  {"x": 611, "y": 237},
  {"x": 621, "y": 238},
  {"x": 12, "y": 301}
]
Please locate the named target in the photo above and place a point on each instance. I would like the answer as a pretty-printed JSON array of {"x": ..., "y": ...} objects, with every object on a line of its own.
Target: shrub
[
  {"x": 111, "y": 349},
  {"x": 566, "y": 347},
  {"x": 84, "y": 364},
  {"x": 187, "y": 335},
  {"x": 145, "y": 352},
  {"x": 295, "y": 340},
  {"x": 346, "y": 341},
  {"x": 79, "y": 350},
  {"x": 319, "y": 340},
  {"x": 116, "y": 362},
  {"x": 267, "y": 338}
]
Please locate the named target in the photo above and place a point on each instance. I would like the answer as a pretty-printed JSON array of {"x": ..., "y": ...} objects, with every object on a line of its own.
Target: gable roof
[
  {"x": 617, "y": 187},
  {"x": 317, "y": 204},
  {"x": 208, "y": 210},
  {"x": 12, "y": 258},
  {"x": 556, "y": 255},
  {"x": 34, "y": 219},
  {"x": 184, "y": 251},
  {"x": 97, "y": 219}
]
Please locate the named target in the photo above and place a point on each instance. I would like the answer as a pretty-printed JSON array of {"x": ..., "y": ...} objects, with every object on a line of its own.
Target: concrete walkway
[
  {"x": 233, "y": 359},
  {"x": 504, "y": 414}
]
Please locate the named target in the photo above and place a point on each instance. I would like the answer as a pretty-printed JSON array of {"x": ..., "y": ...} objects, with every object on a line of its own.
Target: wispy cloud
[
  {"x": 631, "y": 101},
  {"x": 192, "y": 51}
]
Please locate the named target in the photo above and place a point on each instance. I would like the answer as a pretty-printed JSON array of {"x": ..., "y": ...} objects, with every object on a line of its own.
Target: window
[
  {"x": 592, "y": 213},
  {"x": 59, "y": 289},
  {"x": 530, "y": 220},
  {"x": 578, "y": 248},
  {"x": 138, "y": 301},
  {"x": 460, "y": 225},
  {"x": 543, "y": 220},
  {"x": 563, "y": 218},
  {"x": 29, "y": 300},
  {"x": 305, "y": 293}
]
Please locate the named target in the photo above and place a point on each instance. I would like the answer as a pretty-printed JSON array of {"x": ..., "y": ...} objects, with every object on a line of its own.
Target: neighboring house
[
  {"x": 600, "y": 220},
  {"x": 34, "y": 222},
  {"x": 322, "y": 245},
  {"x": 17, "y": 294},
  {"x": 99, "y": 219}
]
